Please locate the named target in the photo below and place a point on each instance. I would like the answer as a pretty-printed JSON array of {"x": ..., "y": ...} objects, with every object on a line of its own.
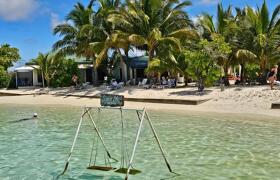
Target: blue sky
[{"x": 27, "y": 24}]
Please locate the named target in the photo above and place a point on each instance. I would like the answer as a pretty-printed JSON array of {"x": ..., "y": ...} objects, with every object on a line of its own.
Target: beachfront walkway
[
  {"x": 244, "y": 100},
  {"x": 188, "y": 93}
]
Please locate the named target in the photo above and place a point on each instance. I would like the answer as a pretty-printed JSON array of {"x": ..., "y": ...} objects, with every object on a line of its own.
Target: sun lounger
[
  {"x": 143, "y": 82},
  {"x": 41, "y": 91},
  {"x": 171, "y": 83},
  {"x": 114, "y": 85}
]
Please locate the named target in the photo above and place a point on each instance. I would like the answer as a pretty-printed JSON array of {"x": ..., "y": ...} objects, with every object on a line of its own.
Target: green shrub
[
  {"x": 252, "y": 72},
  {"x": 202, "y": 68},
  {"x": 64, "y": 76},
  {"x": 4, "y": 78},
  {"x": 12, "y": 82}
]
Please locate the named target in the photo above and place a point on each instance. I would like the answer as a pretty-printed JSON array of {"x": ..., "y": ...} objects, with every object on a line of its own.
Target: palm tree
[
  {"x": 78, "y": 33},
  {"x": 49, "y": 65},
  {"x": 224, "y": 16},
  {"x": 114, "y": 42},
  {"x": 111, "y": 40},
  {"x": 225, "y": 26},
  {"x": 87, "y": 27},
  {"x": 72, "y": 42},
  {"x": 256, "y": 38},
  {"x": 266, "y": 31},
  {"x": 148, "y": 23},
  {"x": 243, "y": 57}
]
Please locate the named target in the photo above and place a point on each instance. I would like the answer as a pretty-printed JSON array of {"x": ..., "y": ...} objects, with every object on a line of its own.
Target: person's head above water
[{"x": 35, "y": 115}]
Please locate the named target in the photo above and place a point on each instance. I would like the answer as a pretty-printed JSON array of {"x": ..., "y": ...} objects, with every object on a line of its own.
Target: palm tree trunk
[
  {"x": 43, "y": 79},
  {"x": 226, "y": 75},
  {"x": 243, "y": 79},
  {"x": 94, "y": 74},
  {"x": 151, "y": 54},
  {"x": 123, "y": 66},
  {"x": 48, "y": 82}
]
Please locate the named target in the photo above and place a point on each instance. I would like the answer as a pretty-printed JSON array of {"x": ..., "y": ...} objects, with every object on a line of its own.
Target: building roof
[
  {"x": 85, "y": 66},
  {"x": 140, "y": 62},
  {"x": 26, "y": 68}
]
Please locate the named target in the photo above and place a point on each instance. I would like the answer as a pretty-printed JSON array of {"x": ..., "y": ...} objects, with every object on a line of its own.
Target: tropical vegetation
[
  {"x": 202, "y": 50},
  {"x": 55, "y": 69},
  {"x": 8, "y": 56}
]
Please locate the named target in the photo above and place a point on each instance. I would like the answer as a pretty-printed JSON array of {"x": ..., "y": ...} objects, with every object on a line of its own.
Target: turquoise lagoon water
[{"x": 206, "y": 146}]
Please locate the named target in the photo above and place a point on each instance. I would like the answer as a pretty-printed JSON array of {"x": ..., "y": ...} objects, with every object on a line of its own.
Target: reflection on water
[{"x": 206, "y": 146}]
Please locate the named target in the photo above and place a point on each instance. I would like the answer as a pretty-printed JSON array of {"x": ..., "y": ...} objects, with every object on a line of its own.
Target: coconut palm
[
  {"x": 150, "y": 22},
  {"x": 77, "y": 33},
  {"x": 72, "y": 42},
  {"x": 224, "y": 20},
  {"x": 49, "y": 65},
  {"x": 243, "y": 57},
  {"x": 225, "y": 26},
  {"x": 266, "y": 33},
  {"x": 151, "y": 25}
]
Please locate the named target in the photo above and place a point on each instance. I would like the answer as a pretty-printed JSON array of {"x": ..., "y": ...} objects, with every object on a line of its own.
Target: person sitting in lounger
[
  {"x": 114, "y": 84},
  {"x": 75, "y": 80},
  {"x": 272, "y": 76}
]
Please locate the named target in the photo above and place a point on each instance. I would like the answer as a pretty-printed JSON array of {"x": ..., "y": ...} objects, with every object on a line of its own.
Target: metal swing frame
[{"x": 142, "y": 115}]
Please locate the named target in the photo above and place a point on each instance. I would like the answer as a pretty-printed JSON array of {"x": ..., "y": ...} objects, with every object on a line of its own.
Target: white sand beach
[{"x": 241, "y": 100}]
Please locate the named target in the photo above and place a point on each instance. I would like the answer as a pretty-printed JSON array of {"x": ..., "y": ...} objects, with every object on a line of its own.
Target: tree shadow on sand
[{"x": 191, "y": 93}]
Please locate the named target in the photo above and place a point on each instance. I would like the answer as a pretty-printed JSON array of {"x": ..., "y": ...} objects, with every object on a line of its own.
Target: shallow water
[{"x": 206, "y": 146}]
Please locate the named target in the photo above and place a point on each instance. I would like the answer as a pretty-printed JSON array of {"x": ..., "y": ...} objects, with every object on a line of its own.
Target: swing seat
[
  {"x": 124, "y": 171},
  {"x": 100, "y": 168}
]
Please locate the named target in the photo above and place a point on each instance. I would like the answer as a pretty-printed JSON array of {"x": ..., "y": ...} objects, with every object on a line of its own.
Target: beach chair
[
  {"x": 120, "y": 85},
  {"x": 114, "y": 85},
  {"x": 143, "y": 82},
  {"x": 164, "y": 83},
  {"x": 171, "y": 83},
  {"x": 41, "y": 91}
]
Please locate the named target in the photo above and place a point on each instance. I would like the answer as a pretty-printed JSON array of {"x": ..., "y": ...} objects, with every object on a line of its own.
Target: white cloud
[
  {"x": 209, "y": 2},
  {"x": 195, "y": 19},
  {"x": 14, "y": 10},
  {"x": 55, "y": 20}
]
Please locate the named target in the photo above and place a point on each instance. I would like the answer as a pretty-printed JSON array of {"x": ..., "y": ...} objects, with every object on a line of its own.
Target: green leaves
[
  {"x": 50, "y": 64},
  {"x": 244, "y": 56},
  {"x": 4, "y": 77},
  {"x": 201, "y": 67},
  {"x": 136, "y": 40},
  {"x": 184, "y": 34},
  {"x": 8, "y": 55},
  {"x": 264, "y": 16}
]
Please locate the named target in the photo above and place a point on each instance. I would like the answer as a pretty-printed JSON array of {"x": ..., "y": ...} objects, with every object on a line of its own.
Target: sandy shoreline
[{"x": 245, "y": 101}]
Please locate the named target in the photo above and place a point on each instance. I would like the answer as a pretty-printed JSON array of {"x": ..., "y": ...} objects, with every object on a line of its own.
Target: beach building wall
[
  {"x": 86, "y": 73},
  {"x": 28, "y": 76},
  {"x": 131, "y": 69}
]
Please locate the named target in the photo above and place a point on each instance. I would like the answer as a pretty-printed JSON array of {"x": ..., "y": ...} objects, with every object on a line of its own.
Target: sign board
[{"x": 112, "y": 100}]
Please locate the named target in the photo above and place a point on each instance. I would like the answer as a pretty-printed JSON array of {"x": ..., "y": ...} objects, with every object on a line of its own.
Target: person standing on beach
[
  {"x": 272, "y": 76},
  {"x": 75, "y": 80}
]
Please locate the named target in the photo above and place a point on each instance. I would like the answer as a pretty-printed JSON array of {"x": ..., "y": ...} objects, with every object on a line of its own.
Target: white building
[
  {"x": 132, "y": 69},
  {"x": 28, "y": 76}
]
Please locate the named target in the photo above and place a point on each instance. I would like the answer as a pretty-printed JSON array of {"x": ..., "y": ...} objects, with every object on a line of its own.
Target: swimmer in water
[{"x": 35, "y": 116}]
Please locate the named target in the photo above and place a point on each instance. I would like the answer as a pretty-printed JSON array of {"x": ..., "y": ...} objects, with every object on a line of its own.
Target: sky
[{"x": 28, "y": 24}]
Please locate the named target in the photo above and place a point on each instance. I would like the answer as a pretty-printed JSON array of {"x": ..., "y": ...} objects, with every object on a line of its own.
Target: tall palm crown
[
  {"x": 266, "y": 32},
  {"x": 225, "y": 21},
  {"x": 73, "y": 41},
  {"x": 149, "y": 21}
]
